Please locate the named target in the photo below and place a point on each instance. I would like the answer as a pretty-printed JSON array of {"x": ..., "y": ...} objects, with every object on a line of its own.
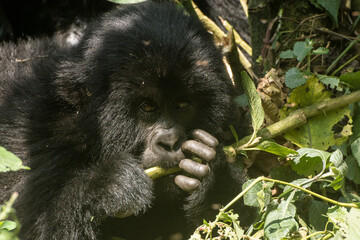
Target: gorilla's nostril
[{"x": 165, "y": 146}]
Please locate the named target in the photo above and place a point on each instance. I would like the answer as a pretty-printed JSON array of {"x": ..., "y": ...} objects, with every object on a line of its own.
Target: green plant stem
[
  {"x": 262, "y": 178},
  {"x": 328, "y": 236},
  {"x": 8, "y": 206},
  {"x": 342, "y": 66},
  {"x": 355, "y": 24},
  {"x": 333, "y": 64},
  {"x": 317, "y": 233}
]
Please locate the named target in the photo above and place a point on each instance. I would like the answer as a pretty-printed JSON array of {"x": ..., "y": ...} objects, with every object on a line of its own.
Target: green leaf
[
  {"x": 353, "y": 172},
  {"x": 352, "y": 79},
  {"x": 338, "y": 168},
  {"x": 318, "y": 131},
  {"x": 238, "y": 230},
  {"x": 259, "y": 195},
  {"x": 332, "y": 82},
  {"x": 233, "y": 219},
  {"x": 8, "y": 225},
  {"x": 264, "y": 195},
  {"x": 250, "y": 198},
  {"x": 309, "y": 161},
  {"x": 227, "y": 216},
  {"x": 356, "y": 124},
  {"x": 336, "y": 158},
  {"x": 355, "y": 149},
  {"x": 313, "y": 153},
  {"x": 317, "y": 212},
  {"x": 331, "y": 7},
  {"x": 338, "y": 215},
  {"x": 287, "y": 54},
  {"x": 302, "y": 49},
  {"x": 6, "y": 235},
  {"x": 233, "y": 131},
  {"x": 126, "y": 1},
  {"x": 256, "y": 110},
  {"x": 280, "y": 222},
  {"x": 321, "y": 50},
  {"x": 294, "y": 78},
  {"x": 338, "y": 182},
  {"x": 353, "y": 219},
  {"x": 274, "y": 148},
  {"x": 10, "y": 162}
]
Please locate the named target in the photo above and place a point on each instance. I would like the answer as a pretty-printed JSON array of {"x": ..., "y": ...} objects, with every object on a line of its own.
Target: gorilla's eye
[
  {"x": 148, "y": 107},
  {"x": 182, "y": 105}
]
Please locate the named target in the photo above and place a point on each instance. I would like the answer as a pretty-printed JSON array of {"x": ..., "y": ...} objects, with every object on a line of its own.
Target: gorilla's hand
[{"x": 203, "y": 147}]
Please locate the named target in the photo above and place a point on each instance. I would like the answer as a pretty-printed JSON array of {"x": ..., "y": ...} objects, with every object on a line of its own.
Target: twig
[
  {"x": 262, "y": 178},
  {"x": 219, "y": 35},
  {"x": 8, "y": 206},
  {"x": 297, "y": 27},
  {"x": 299, "y": 117},
  {"x": 209, "y": 24},
  {"x": 237, "y": 36},
  {"x": 157, "y": 172},
  {"x": 342, "y": 66},
  {"x": 320, "y": 29}
]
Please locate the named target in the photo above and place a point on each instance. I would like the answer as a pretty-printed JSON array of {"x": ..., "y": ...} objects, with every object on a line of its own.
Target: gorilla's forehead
[{"x": 156, "y": 51}]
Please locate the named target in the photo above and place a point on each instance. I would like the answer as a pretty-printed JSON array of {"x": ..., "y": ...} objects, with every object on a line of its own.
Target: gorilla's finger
[
  {"x": 186, "y": 183},
  {"x": 194, "y": 168},
  {"x": 205, "y": 137},
  {"x": 199, "y": 149}
]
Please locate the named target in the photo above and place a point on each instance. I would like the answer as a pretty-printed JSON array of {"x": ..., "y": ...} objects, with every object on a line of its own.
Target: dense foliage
[{"x": 309, "y": 121}]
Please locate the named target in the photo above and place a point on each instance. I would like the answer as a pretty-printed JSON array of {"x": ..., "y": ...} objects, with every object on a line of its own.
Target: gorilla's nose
[{"x": 167, "y": 143}]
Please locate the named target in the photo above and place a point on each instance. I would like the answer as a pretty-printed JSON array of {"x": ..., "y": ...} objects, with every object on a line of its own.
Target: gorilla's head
[{"x": 152, "y": 81}]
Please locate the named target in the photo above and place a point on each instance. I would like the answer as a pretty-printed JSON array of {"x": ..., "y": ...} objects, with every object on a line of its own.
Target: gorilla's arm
[{"x": 108, "y": 188}]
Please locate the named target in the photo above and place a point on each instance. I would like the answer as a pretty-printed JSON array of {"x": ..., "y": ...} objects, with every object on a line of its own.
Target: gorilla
[{"x": 144, "y": 87}]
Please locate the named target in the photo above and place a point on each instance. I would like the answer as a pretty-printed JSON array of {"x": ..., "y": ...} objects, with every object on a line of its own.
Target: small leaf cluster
[
  {"x": 9, "y": 224},
  {"x": 299, "y": 212},
  {"x": 294, "y": 77},
  {"x": 226, "y": 226}
]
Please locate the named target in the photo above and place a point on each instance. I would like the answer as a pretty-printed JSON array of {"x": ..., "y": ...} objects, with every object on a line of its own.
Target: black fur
[{"x": 72, "y": 115}]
